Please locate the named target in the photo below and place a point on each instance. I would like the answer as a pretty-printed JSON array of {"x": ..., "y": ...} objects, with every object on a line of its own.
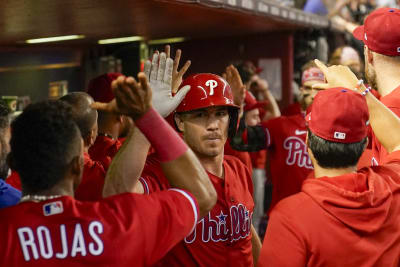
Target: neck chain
[
  {"x": 106, "y": 135},
  {"x": 37, "y": 198}
]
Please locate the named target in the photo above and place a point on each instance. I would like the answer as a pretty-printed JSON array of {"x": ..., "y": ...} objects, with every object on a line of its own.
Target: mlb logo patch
[
  {"x": 339, "y": 135},
  {"x": 398, "y": 49},
  {"x": 53, "y": 208}
]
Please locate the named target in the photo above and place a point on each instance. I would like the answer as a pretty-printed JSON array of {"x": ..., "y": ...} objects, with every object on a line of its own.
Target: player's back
[{"x": 111, "y": 232}]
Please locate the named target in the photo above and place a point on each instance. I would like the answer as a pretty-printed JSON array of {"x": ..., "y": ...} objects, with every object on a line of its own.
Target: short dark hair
[
  {"x": 84, "y": 116},
  {"x": 4, "y": 124},
  {"x": 43, "y": 143},
  {"x": 332, "y": 155},
  {"x": 4, "y": 116}
]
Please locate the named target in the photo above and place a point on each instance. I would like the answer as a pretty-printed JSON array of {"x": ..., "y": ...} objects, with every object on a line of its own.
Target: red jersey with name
[
  {"x": 91, "y": 186},
  {"x": 287, "y": 153},
  {"x": 350, "y": 220},
  {"x": 223, "y": 237},
  {"x": 104, "y": 150},
  {"x": 392, "y": 101},
  {"x": 122, "y": 230}
]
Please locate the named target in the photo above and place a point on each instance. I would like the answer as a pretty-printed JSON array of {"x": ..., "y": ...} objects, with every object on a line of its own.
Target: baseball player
[
  {"x": 382, "y": 64},
  {"x": 49, "y": 227},
  {"x": 288, "y": 161},
  {"x": 344, "y": 217},
  {"x": 110, "y": 126},
  {"x": 224, "y": 236},
  {"x": 91, "y": 185},
  {"x": 8, "y": 194}
]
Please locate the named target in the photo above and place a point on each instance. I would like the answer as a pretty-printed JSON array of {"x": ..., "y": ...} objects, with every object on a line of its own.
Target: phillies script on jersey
[
  {"x": 223, "y": 236},
  {"x": 289, "y": 162}
]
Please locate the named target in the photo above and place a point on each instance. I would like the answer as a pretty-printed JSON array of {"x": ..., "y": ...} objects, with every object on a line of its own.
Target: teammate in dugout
[
  {"x": 225, "y": 235},
  {"x": 8, "y": 194},
  {"x": 344, "y": 217},
  {"x": 381, "y": 39},
  {"x": 284, "y": 137},
  {"x": 91, "y": 186},
  {"x": 49, "y": 227}
]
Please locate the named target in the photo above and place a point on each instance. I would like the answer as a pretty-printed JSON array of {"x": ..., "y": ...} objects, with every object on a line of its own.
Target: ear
[
  {"x": 179, "y": 122},
  {"x": 120, "y": 118},
  {"x": 77, "y": 165}
]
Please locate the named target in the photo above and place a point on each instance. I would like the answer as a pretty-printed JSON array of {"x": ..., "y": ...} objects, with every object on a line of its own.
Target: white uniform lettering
[
  {"x": 64, "y": 243},
  {"x": 25, "y": 243},
  {"x": 78, "y": 243},
  {"x": 37, "y": 243},
  {"x": 46, "y": 250},
  {"x": 96, "y": 238}
]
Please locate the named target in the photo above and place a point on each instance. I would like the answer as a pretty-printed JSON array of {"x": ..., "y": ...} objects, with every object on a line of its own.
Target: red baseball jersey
[
  {"x": 104, "y": 150},
  {"x": 122, "y": 230},
  {"x": 289, "y": 162},
  {"x": 91, "y": 186},
  {"x": 223, "y": 237},
  {"x": 392, "y": 101}
]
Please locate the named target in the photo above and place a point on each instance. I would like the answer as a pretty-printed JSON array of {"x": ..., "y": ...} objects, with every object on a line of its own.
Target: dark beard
[{"x": 3, "y": 160}]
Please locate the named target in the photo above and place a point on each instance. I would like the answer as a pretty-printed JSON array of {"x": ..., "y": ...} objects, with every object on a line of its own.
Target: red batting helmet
[{"x": 208, "y": 90}]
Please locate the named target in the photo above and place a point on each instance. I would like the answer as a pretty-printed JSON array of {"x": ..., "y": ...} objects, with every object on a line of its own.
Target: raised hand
[
  {"x": 132, "y": 98},
  {"x": 336, "y": 76},
  {"x": 160, "y": 73},
  {"x": 232, "y": 76}
]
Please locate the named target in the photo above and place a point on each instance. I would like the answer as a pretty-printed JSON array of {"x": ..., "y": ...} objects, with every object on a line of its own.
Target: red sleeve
[
  {"x": 282, "y": 244},
  {"x": 153, "y": 178},
  {"x": 91, "y": 186},
  {"x": 158, "y": 221}
]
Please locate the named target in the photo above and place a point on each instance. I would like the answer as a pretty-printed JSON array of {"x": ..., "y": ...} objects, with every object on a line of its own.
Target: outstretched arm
[
  {"x": 385, "y": 124},
  {"x": 129, "y": 162}
]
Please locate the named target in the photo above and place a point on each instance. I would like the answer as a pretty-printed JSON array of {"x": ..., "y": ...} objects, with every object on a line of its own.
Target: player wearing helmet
[{"x": 206, "y": 117}]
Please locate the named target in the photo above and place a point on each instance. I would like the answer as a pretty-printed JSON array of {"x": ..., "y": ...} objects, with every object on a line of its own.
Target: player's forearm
[
  {"x": 385, "y": 124},
  {"x": 127, "y": 165},
  {"x": 256, "y": 245},
  {"x": 180, "y": 166},
  {"x": 186, "y": 172},
  {"x": 273, "y": 107}
]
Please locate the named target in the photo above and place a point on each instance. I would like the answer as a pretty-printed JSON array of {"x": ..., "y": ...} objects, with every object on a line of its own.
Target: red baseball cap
[
  {"x": 339, "y": 115},
  {"x": 250, "y": 102},
  {"x": 380, "y": 32},
  {"x": 100, "y": 87}
]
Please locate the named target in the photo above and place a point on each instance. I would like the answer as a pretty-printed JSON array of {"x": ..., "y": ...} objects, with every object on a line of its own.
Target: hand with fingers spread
[
  {"x": 132, "y": 98},
  {"x": 232, "y": 76},
  {"x": 177, "y": 76},
  {"x": 159, "y": 71},
  {"x": 336, "y": 76}
]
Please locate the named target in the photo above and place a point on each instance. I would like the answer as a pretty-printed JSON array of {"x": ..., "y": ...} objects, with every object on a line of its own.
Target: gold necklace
[{"x": 37, "y": 198}]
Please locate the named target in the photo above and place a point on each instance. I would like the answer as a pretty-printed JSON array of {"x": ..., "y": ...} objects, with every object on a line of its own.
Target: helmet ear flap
[{"x": 233, "y": 121}]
